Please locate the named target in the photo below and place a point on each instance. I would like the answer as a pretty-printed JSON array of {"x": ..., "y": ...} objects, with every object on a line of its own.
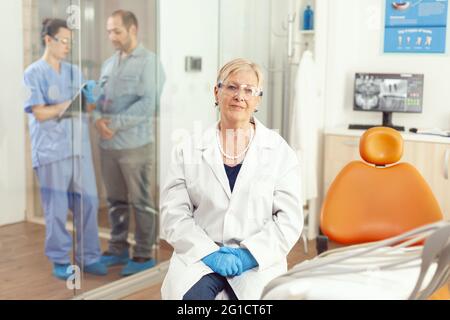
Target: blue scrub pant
[
  {"x": 70, "y": 184},
  {"x": 208, "y": 287}
]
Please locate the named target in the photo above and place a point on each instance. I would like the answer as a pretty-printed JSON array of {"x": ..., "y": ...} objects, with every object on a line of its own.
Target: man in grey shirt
[{"x": 124, "y": 119}]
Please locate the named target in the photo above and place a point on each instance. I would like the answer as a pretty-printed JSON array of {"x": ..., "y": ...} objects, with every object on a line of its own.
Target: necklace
[{"x": 239, "y": 155}]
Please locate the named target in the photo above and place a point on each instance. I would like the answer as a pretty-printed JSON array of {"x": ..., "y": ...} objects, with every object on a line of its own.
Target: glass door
[
  {"x": 92, "y": 182},
  {"x": 119, "y": 56},
  {"x": 55, "y": 138}
]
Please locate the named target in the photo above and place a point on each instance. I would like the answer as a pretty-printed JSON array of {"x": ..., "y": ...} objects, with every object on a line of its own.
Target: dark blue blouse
[{"x": 232, "y": 173}]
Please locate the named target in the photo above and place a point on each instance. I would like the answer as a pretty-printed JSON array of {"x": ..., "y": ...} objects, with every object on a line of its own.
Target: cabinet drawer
[{"x": 339, "y": 151}]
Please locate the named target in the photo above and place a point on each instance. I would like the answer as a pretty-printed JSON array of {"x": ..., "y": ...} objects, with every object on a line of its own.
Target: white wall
[
  {"x": 218, "y": 31},
  {"x": 12, "y": 131},
  {"x": 245, "y": 33},
  {"x": 355, "y": 39},
  {"x": 188, "y": 28}
]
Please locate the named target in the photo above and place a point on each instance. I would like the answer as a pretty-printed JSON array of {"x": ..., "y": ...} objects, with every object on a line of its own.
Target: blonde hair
[{"x": 237, "y": 65}]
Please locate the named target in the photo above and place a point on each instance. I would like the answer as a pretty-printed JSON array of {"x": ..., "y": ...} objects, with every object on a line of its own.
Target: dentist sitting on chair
[{"x": 231, "y": 203}]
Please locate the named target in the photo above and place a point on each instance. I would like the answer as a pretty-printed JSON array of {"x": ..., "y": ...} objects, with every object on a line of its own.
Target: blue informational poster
[{"x": 418, "y": 26}]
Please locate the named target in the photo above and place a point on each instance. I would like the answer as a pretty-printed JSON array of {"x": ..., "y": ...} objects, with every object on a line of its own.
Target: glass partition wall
[
  {"x": 56, "y": 143},
  {"x": 119, "y": 50},
  {"x": 92, "y": 182}
]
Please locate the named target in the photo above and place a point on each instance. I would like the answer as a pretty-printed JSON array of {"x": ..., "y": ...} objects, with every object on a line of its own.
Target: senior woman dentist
[{"x": 231, "y": 202}]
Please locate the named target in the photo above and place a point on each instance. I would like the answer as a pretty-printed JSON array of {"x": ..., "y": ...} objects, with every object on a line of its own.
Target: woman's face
[
  {"x": 235, "y": 103},
  {"x": 59, "y": 45}
]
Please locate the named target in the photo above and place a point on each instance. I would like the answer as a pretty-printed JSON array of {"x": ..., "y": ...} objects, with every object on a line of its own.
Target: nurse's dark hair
[
  {"x": 128, "y": 18},
  {"x": 50, "y": 27}
]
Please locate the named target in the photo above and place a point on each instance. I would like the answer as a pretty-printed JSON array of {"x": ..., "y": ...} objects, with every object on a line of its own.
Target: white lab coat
[
  {"x": 304, "y": 133},
  {"x": 199, "y": 213}
]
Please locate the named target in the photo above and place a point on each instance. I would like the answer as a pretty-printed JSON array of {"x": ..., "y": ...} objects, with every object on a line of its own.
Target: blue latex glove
[
  {"x": 89, "y": 90},
  {"x": 225, "y": 264},
  {"x": 247, "y": 259}
]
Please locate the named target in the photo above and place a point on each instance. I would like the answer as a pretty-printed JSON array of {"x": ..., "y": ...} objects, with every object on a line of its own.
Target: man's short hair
[{"x": 128, "y": 18}]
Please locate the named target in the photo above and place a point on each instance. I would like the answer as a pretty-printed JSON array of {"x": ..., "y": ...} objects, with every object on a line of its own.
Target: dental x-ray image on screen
[{"x": 388, "y": 92}]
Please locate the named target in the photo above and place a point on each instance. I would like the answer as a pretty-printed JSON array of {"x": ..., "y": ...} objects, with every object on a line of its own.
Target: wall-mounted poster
[{"x": 418, "y": 26}]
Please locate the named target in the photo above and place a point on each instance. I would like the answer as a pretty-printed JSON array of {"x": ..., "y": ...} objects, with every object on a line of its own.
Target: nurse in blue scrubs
[{"x": 61, "y": 156}]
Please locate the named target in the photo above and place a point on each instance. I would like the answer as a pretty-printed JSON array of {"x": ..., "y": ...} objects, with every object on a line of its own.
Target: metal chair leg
[{"x": 305, "y": 242}]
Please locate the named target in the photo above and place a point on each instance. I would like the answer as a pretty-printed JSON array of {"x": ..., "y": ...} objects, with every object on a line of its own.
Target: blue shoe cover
[
  {"x": 133, "y": 267},
  {"x": 110, "y": 260},
  {"x": 96, "y": 268},
  {"x": 60, "y": 271}
]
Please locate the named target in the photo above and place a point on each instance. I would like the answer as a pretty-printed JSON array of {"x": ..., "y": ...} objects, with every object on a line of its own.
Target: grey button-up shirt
[{"x": 129, "y": 98}]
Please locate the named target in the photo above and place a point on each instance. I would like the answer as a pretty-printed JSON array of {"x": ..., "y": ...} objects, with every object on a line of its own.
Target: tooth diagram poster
[{"x": 418, "y": 26}]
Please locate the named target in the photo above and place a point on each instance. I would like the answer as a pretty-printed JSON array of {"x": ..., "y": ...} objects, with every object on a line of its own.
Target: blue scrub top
[{"x": 52, "y": 140}]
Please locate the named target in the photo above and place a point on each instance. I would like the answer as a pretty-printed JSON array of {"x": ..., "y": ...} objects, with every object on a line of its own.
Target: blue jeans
[{"x": 208, "y": 287}]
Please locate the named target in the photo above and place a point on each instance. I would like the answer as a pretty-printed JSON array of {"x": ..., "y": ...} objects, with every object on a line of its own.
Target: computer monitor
[{"x": 387, "y": 93}]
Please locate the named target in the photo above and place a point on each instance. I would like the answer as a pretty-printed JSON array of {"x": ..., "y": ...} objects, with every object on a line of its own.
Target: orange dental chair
[
  {"x": 380, "y": 197},
  {"x": 380, "y": 210}
]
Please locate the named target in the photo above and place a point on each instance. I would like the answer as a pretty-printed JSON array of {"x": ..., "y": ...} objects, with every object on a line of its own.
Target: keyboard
[
  {"x": 360, "y": 126},
  {"x": 367, "y": 127}
]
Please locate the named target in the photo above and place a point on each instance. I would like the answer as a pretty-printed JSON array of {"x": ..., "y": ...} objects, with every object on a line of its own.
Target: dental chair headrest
[{"x": 381, "y": 146}]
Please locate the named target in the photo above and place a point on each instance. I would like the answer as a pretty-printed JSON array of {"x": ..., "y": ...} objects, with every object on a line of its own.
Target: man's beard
[{"x": 124, "y": 47}]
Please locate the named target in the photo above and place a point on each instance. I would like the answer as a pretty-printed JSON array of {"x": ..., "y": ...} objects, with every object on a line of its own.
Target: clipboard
[{"x": 77, "y": 105}]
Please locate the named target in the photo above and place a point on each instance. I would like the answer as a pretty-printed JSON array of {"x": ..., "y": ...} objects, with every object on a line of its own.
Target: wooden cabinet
[
  {"x": 432, "y": 161},
  {"x": 430, "y": 155},
  {"x": 339, "y": 151}
]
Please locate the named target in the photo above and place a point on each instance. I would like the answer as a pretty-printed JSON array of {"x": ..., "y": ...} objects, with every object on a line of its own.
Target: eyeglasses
[
  {"x": 233, "y": 89},
  {"x": 65, "y": 41}
]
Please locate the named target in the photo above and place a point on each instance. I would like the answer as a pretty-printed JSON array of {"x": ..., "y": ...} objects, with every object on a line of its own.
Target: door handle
[
  {"x": 351, "y": 143},
  {"x": 446, "y": 160}
]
